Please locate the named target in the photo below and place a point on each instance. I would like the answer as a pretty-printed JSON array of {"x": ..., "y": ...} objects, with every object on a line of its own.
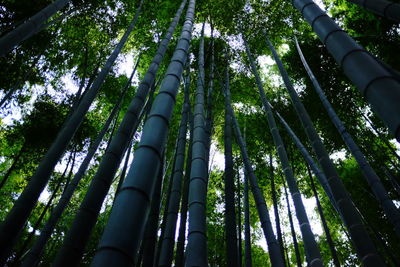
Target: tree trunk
[
  {"x": 383, "y": 8},
  {"x": 310, "y": 245},
  {"x": 375, "y": 83},
  {"x": 370, "y": 175},
  {"x": 384, "y": 244},
  {"x": 276, "y": 210},
  {"x": 196, "y": 250},
  {"x": 127, "y": 220},
  {"x": 71, "y": 171},
  {"x": 230, "y": 216},
  {"x": 16, "y": 218},
  {"x": 110, "y": 162},
  {"x": 29, "y": 27},
  {"x": 262, "y": 209},
  {"x": 294, "y": 238},
  {"x": 124, "y": 168},
  {"x": 324, "y": 223},
  {"x": 54, "y": 21}
]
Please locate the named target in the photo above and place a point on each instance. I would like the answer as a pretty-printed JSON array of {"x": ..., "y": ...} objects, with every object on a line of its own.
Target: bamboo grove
[{"x": 200, "y": 133}]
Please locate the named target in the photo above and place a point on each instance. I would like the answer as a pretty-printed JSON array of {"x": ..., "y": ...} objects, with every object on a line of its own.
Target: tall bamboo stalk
[
  {"x": 349, "y": 213},
  {"x": 125, "y": 226},
  {"x": 292, "y": 231},
  {"x": 310, "y": 245},
  {"x": 262, "y": 209},
  {"x": 276, "y": 209},
  {"x": 328, "y": 235},
  {"x": 168, "y": 241},
  {"x": 196, "y": 250},
  {"x": 180, "y": 245}
]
